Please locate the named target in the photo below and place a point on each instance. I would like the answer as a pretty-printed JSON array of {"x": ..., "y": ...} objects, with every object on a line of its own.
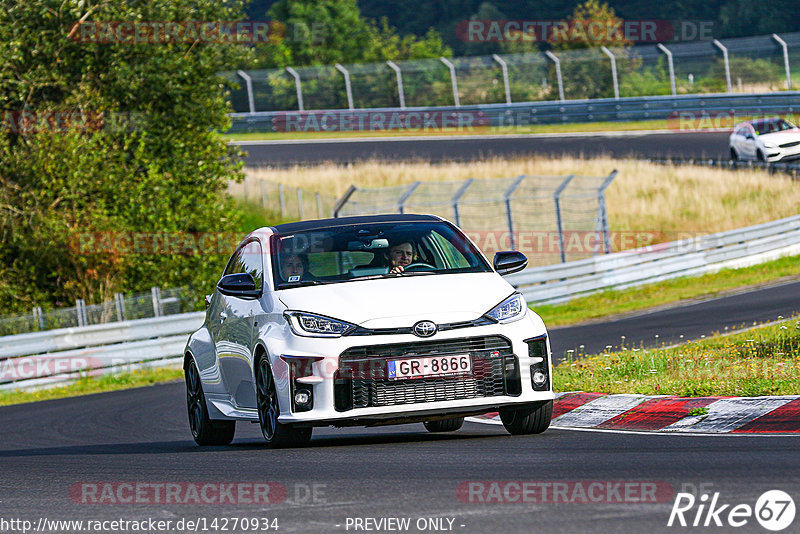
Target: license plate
[{"x": 459, "y": 364}]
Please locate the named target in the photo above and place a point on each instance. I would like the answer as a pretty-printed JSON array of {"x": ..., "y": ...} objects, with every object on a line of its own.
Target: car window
[
  {"x": 247, "y": 259},
  {"x": 347, "y": 253}
]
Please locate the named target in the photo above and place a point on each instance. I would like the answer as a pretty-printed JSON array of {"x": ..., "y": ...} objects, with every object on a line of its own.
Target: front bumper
[{"x": 325, "y": 376}]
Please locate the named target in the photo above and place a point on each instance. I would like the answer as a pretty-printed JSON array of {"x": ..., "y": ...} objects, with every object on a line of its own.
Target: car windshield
[
  {"x": 364, "y": 251},
  {"x": 772, "y": 126}
]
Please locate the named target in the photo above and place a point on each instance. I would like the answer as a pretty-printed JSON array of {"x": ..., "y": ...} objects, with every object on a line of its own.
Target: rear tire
[
  {"x": 205, "y": 431},
  {"x": 444, "y": 425},
  {"x": 277, "y": 434},
  {"x": 528, "y": 420}
]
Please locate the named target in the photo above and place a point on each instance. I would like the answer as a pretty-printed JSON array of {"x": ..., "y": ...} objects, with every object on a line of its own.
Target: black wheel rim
[
  {"x": 194, "y": 399},
  {"x": 267, "y": 400}
]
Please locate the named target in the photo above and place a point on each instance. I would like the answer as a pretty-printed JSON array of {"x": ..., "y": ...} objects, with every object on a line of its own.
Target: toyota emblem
[{"x": 425, "y": 328}]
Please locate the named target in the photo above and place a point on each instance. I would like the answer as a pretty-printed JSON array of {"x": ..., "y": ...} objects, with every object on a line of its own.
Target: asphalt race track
[
  {"x": 473, "y": 147},
  {"x": 142, "y": 436}
]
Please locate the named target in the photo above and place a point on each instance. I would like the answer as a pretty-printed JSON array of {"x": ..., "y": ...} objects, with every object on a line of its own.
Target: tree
[
  {"x": 583, "y": 65},
  {"x": 137, "y": 154}
]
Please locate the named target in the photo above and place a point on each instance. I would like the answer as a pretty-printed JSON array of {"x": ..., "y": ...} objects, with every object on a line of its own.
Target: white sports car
[
  {"x": 769, "y": 140},
  {"x": 373, "y": 320}
]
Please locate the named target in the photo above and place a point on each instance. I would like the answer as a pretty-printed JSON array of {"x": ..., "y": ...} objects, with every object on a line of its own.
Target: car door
[
  {"x": 236, "y": 349},
  {"x": 748, "y": 150}
]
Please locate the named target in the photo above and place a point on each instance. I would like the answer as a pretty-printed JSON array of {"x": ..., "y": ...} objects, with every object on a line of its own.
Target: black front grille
[{"x": 362, "y": 382}]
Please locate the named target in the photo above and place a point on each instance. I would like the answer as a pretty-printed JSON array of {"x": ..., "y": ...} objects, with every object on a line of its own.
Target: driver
[{"x": 399, "y": 256}]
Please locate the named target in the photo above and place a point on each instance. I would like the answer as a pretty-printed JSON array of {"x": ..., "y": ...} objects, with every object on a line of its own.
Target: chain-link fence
[
  {"x": 154, "y": 303},
  {"x": 292, "y": 203},
  {"x": 549, "y": 218},
  {"x": 744, "y": 65}
]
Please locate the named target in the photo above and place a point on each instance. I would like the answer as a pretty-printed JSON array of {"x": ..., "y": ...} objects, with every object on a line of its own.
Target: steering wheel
[{"x": 418, "y": 267}]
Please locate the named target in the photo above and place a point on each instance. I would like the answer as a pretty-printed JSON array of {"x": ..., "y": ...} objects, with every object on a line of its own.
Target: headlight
[
  {"x": 309, "y": 324},
  {"x": 511, "y": 309},
  {"x": 770, "y": 145}
]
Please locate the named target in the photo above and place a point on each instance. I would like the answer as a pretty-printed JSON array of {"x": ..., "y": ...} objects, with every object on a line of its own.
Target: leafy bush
[{"x": 148, "y": 160}]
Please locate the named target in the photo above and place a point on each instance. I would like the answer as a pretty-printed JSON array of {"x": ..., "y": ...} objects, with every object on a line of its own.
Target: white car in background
[
  {"x": 769, "y": 140},
  {"x": 313, "y": 324}
]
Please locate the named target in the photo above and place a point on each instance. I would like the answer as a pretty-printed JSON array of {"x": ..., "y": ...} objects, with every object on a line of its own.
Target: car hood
[
  {"x": 402, "y": 301},
  {"x": 779, "y": 138}
]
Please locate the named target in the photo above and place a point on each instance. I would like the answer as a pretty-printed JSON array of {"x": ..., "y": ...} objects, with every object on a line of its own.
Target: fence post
[
  {"x": 559, "y": 222},
  {"x": 504, "y": 66},
  {"x": 727, "y": 63},
  {"x": 348, "y": 89},
  {"x": 283, "y": 201},
  {"x": 244, "y": 184},
  {"x": 457, "y": 197},
  {"x": 614, "y": 80},
  {"x": 509, "y": 216},
  {"x": 342, "y": 201},
  {"x": 155, "y": 292},
  {"x": 119, "y": 304},
  {"x": 453, "y": 81},
  {"x": 602, "y": 212},
  {"x": 300, "y": 203},
  {"x": 401, "y": 95},
  {"x": 297, "y": 86},
  {"x": 80, "y": 310},
  {"x": 38, "y": 317},
  {"x": 559, "y": 79},
  {"x": 785, "y": 60},
  {"x": 671, "y": 66},
  {"x": 407, "y": 193},
  {"x": 263, "y": 195},
  {"x": 249, "y": 84}
]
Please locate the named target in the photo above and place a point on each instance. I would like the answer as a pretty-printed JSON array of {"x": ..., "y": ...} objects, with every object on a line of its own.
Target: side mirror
[
  {"x": 509, "y": 261},
  {"x": 239, "y": 285},
  {"x": 748, "y": 135}
]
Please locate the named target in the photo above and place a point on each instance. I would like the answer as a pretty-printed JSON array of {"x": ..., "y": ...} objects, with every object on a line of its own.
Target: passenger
[{"x": 294, "y": 268}]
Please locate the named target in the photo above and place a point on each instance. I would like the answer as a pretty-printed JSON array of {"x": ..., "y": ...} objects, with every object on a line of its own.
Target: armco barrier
[
  {"x": 57, "y": 356},
  {"x": 525, "y": 113},
  {"x": 745, "y": 246}
]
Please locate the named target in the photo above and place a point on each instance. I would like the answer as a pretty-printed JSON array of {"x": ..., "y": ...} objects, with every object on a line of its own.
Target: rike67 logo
[{"x": 774, "y": 510}]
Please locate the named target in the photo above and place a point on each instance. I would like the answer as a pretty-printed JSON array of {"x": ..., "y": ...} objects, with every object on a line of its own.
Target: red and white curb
[{"x": 665, "y": 413}]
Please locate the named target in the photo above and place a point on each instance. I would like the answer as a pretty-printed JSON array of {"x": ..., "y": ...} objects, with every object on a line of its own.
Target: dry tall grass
[{"x": 644, "y": 196}]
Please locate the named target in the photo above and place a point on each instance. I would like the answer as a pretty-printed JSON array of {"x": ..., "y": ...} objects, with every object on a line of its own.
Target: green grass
[
  {"x": 761, "y": 361},
  {"x": 481, "y": 130},
  {"x": 88, "y": 385},
  {"x": 608, "y": 303}
]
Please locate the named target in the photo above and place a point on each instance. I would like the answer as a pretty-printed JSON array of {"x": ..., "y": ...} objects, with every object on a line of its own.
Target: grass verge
[
  {"x": 610, "y": 303},
  {"x": 88, "y": 385},
  {"x": 588, "y": 127},
  {"x": 761, "y": 361}
]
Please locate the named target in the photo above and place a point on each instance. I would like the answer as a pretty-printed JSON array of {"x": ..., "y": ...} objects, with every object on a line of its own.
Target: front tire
[
  {"x": 760, "y": 156},
  {"x": 277, "y": 434},
  {"x": 444, "y": 425},
  {"x": 528, "y": 420},
  {"x": 734, "y": 155},
  {"x": 205, "y": 431}
]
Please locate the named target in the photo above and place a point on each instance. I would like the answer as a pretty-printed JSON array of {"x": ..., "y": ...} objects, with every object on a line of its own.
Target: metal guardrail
[
  {"x": 522, "y": 114},
  {"x": 735, "y": 248},
  {"x": 45, "y": 358},
  {"x": 53, "y": 357},
  {"x": 792, "y": 169}
]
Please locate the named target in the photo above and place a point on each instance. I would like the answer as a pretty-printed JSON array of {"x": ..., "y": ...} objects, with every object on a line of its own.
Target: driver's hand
[{"x": 397, "y": 270}]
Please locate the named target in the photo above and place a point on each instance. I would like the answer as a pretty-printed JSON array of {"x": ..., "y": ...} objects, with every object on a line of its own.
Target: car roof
[{"x": 317, "y": 224}]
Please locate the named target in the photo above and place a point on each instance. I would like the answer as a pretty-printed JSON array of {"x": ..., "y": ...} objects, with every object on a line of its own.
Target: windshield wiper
[{"x": 302, "y": 283}]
